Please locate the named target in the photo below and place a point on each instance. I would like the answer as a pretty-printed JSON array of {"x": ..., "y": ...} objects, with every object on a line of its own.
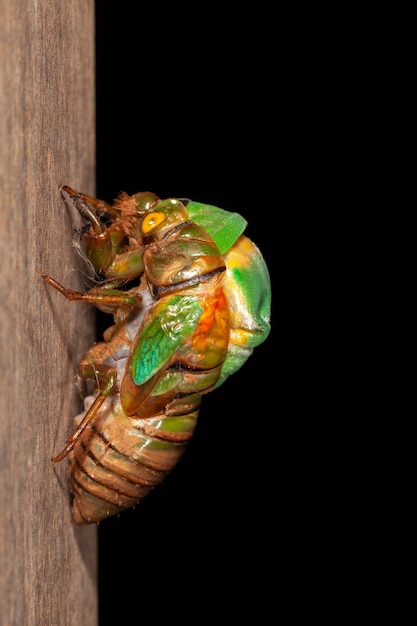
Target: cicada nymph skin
[{"x": 190, "y": 297}]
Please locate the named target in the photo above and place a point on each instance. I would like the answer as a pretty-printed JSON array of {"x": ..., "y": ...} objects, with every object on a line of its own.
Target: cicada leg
[
  {"x": 88, "y": 206},
  {"x": 103, "y": 373},
  {"x": 96, "y": 296},
  {"x": 115, "y": 250}
]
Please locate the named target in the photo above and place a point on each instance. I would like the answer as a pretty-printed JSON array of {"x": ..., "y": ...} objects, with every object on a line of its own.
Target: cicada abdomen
[{"x": 185, "y": 319}]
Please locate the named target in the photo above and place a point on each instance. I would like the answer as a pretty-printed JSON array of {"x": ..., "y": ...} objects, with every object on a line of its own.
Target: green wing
[
  {"x": 223, "y": 226},
  {"x": 172, "y": 320}
]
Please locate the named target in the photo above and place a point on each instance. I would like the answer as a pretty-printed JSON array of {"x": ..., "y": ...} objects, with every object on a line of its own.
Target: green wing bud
[{"x": 171, "y": 322}]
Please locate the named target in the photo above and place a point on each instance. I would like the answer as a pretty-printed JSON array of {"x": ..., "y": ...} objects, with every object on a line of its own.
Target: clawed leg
[
  {"x": 88, "y": 206},
  {"x": 97, "y": 296},
  {"x": 102, "y": 373}
]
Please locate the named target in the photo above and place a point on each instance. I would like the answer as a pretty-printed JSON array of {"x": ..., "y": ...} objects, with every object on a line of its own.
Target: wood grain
[{"x": 47, "y": 120}]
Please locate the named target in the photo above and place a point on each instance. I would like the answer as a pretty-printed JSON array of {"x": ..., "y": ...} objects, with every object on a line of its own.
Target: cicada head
[
  {"x": 162, "y": 217},
  {"x": 131, "y": 210}
]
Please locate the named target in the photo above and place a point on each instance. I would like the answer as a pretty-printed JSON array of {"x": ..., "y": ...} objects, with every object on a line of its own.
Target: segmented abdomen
[{"x": 119, "y": 460}]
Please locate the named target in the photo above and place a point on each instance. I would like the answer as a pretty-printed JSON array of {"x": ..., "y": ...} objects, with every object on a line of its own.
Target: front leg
[{"x": 114, "y": 247}]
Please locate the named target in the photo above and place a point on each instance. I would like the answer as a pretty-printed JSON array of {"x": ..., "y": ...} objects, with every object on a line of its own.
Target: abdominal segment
[{"x": 119, "y": 460}]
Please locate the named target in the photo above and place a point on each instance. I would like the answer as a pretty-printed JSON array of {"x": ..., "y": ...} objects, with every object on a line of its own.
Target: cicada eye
[{"x": 152, "y": 220}]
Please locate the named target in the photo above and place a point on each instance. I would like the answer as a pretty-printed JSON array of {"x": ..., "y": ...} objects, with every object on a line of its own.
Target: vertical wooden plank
[{"x": 47, "y": 120}]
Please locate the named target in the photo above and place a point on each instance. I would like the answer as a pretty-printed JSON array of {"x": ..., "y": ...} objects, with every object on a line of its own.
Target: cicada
[{"x": 190, "y": 298}]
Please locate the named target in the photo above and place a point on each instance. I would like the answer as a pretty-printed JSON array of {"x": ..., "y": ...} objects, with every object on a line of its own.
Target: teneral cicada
[{"x": 190, "y": 297}]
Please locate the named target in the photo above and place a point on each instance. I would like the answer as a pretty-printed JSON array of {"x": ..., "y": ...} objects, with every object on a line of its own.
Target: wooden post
[{"x": 47, "y": 122}]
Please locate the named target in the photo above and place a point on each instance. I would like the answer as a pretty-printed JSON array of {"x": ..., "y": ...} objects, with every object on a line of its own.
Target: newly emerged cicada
[{"x": 190, "y": 296}]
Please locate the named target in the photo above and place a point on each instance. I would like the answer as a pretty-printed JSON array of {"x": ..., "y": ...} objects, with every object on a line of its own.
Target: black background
[{"x": 190, "y": 109}]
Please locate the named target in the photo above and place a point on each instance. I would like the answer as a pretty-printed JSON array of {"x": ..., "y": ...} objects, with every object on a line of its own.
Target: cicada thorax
[{"x": 167, "y": 354}]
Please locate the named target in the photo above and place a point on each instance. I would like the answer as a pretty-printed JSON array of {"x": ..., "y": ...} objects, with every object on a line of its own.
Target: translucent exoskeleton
[{"x": 190, "y": 296}]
